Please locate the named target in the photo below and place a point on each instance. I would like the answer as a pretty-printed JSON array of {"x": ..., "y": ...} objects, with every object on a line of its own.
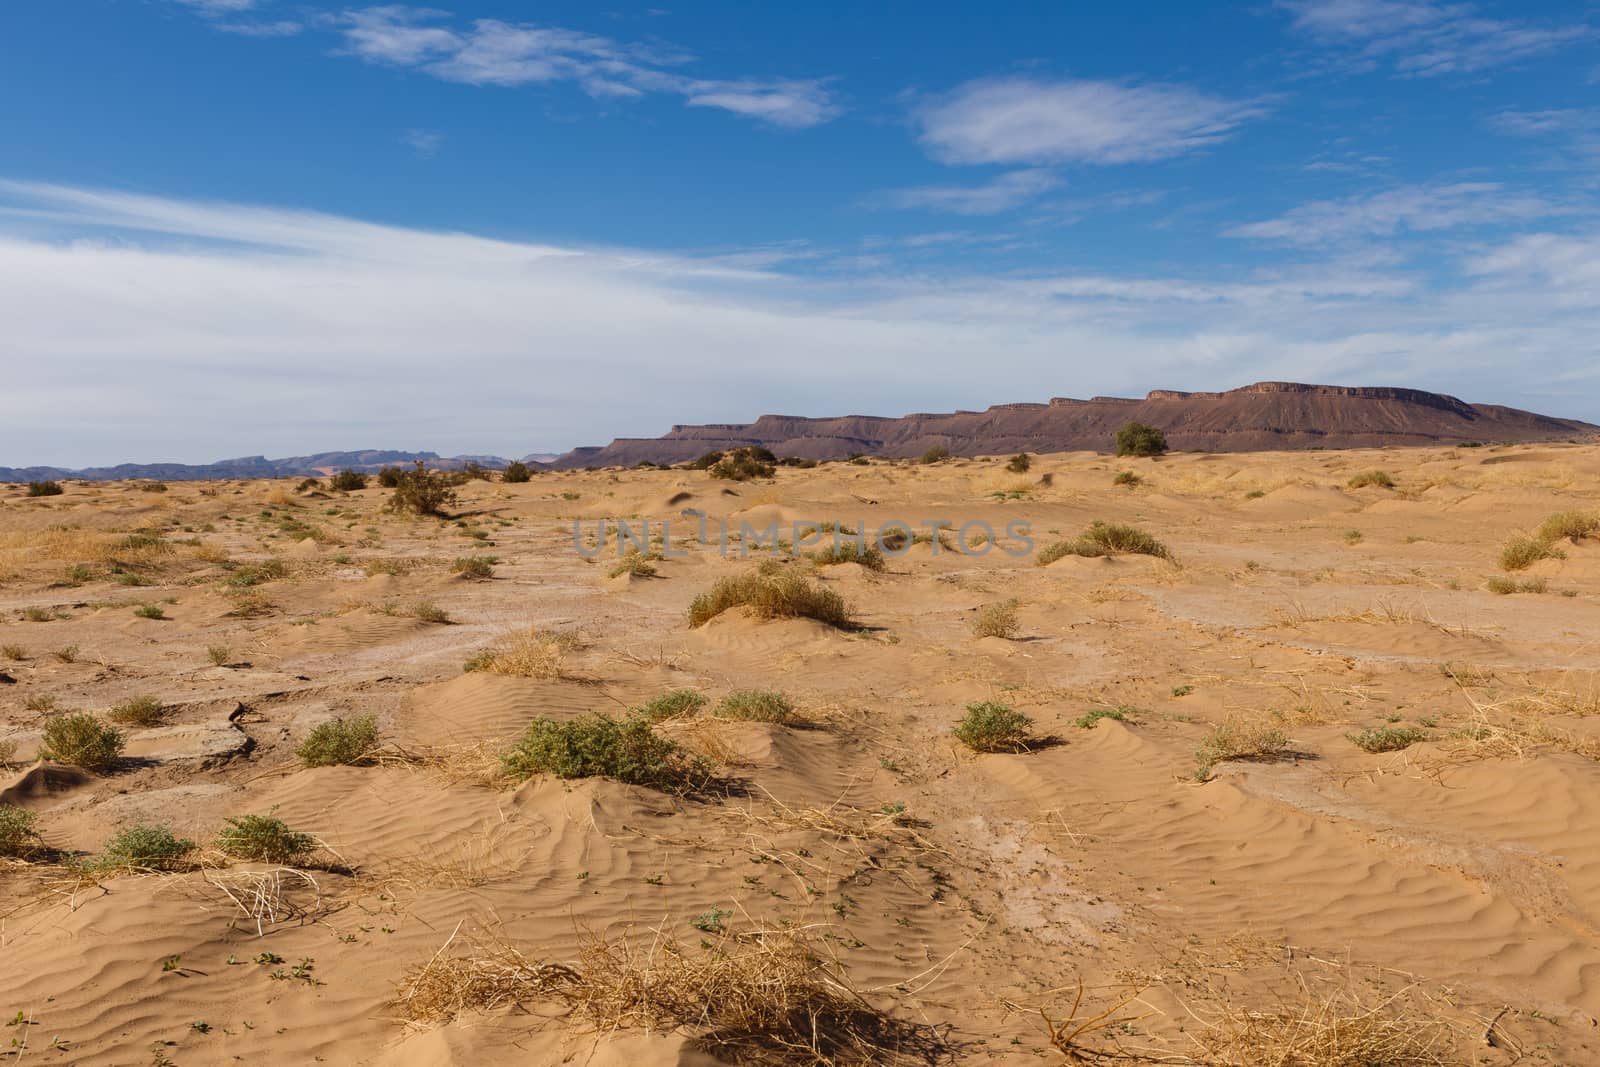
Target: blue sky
[{"x": 263, "y": 226}]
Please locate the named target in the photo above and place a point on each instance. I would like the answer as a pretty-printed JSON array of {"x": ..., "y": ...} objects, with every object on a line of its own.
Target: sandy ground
[{"x": 1454, "y": 882}]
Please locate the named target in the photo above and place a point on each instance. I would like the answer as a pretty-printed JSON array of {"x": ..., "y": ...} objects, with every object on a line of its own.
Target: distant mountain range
[
  {"x": 1262, "y": 417},
  {"x": 1266, "y": 416}
]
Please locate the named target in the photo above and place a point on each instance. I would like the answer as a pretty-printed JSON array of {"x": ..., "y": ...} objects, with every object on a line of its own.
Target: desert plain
[{"x": 1315, "y": 787}]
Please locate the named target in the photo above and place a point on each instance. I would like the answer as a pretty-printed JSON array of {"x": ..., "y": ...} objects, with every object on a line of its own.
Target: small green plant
[
  {"x": 264, "y": 839},
  {"x": 1502, "y": 586},
  {"x": 993, "y": 727},
  {"x": 139, "y": 711},
  {"x": 1127, "y": 478},
  {"x": 755, "y": 705},
  {"x": 77, "y": 574},
  {"x": 340, "y": 741},
  {"x": 18, "y": 838},
  {"x": 598, "y": 746},
  {"x": 478, "y": 568},
  {"x": 1520, "y": 553},
  {"x": 1380, "y": 479},
  {"x": 711, "y": 921},
  {"x": 1255, "y": 494},
  {"x": 81, "y": 740},
  {"x": 997, "y": 620},
  {"x": 785, "y": 595},
  {"x": 1352, "y": 537},
  {"x": 142, "y": 847},
  {"x": 422, "y": 492},
  {"x": 253, "y": 574},
  {"x": 936, "y": 454},
  {"x": 219, "y": 655},
  {"x": 347, "y": 481},
  {"x": 150, "y": 611},
  {"x": 1387, "y": 738},
  {"x": 1088, "y": 719},
  {"x": 635, "y": 563},
  {"x": 1139, "y": 439},
  {"x": 1020, "y": 463},
  {"x": 1182, "y": 690},
  {"x": 1238, "y": 739},
  {"x": 516, "y": 471},
  {"x": 677, "y": 704},
  {"x": 66, "y": 653},
  {"x": 427, "y": 611},
  {"x": 1106, "y": 539},
  {"x": 849, "y": 551}
]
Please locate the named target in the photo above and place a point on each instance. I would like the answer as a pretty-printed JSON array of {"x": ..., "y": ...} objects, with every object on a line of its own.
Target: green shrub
[
  {"x": 139, "y": 711},
  {"x": 848, "y": 550},
  {"x": 1138, "y": 439},
  {"x": 705, "y": 462},
  {"x": 1380, "y": 479},
  {"x": 743, "y": 464},
  {"x": 250, "y": 574},
  {"x": 18, "y": 838},
  {"x": 422, "y": 492},
  {"x": 754, "y": 705},
  {"x": 476, "y": 567},
  {"x": 389, "y": 477},
  {"x": 347, "y": 481},
  {"x": 677, "y": 704},
  {"x": 786, "y": 595},
  {"x": 427, "y": 611},
  {"x": 1088, "y": 720},
  {"x": 936, "y": 454},
  {"x": 993, "y": 727},
  {"x": 143, "y": 847},
  {"x": 1506, "y": 586},
  {"x": 45, "y": 489},
  {"x": 597, "y": 746},
  {"x": 1520, "y": 553},
  {"x": 1127, "y": 478},
  {"x": 1106, "y": 539},
  {"x": 263, "y": 839},
  {"x": 996, "y": 620},
  {"x": 516, "y": 471},
  {"x": 150, "y": 611},
  {"x": 347, "y": 741},
  {"x": 1238, "y": 739},
  {"x": 1387, "y": 738},
  {"x": 308, "y": 484},
  {"x": 81, "y": 740},
  {"x": 1019, "y": 463}
]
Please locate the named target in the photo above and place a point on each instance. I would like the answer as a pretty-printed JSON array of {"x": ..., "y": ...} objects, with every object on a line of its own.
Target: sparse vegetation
[
  {"x": 936, "y": 454},
  {"x": 1126, "y": 478},
  {"x": 18, "y": 838},
  {"x": 1387, "y": 738},
  {"x": 755, "y": 705},
  {"x": 1020, "y": 463},
  {"x": 993, "y": 727},
  {"x": 340, "y": 741},
  {"x": 997, "y": 620},
  {"x": 1139, "y": 439},
  {"x": 143, "y": 847},
  {"x": 635, "y": 563},
  {"x": 45, "y": 489},
  {"x": 1239, "y": 739},
  {"x": 1106, "y": 539},
  {"x": 677, "y": 704},
  {"x": 743, "y": 464},
  {"x": 428, "y": 611},
  {"x": 1520, "y": 553},
  {"x": 150, "y": 611},
  {"x": 785, "y": 595},
  {"x": 1571, "y": 526},
  {"x": 1381, "y": 479},
  {"x": 848, "y": 550},
  {"x": 534, "y": 653},
  {"x": 598, "y": 746},
  {"x": 139, "y": 711},
  {"x": 1089, "y": 719},
  {"x": 478, "y": 568},
  {"x": 263, "y": 839},
  {"x": 81, "y": 740},
  {"x": 421, "y": 491},
  {"x": 1502, "y": 586},
  {"x": 219, "y": 655},
  {"x": 516, "y": 471},
  {"x": 347, "y": 481},
  {"x": 390, "y": 477}
]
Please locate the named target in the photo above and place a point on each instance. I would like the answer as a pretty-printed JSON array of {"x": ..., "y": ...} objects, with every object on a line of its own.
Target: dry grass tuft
[
  {"x": 1106, "y": 539},
  {"x": 1521, "y": 553},
  {"x": 533, "y": 653},
  {"x": 1338, "y": 1029},
  {"x": 997, "y": 620},
  {"x": 1239, "y": 739},
  {"x": 785, "y": 595}
]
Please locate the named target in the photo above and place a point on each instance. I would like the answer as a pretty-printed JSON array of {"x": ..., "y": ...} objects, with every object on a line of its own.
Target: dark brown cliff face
[{"x": 1260, "y": 417}]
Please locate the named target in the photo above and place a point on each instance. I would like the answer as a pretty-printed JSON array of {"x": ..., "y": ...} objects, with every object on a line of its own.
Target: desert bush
[
  {"x": 996, "y": 620},
  {"x": 389, "y": 477},
  {"x": 993, "y": 727},
  {"x": 45, "y": 489},
  {"x": 263, "y": 839},
  {"x": 1089, "y": 719},
  {"x": 848, "y": 550},
  {"x": 1573, "y": 526},
  {"x": 347, "y": 481},
  {"x": 13, "y": 652},
  {"x": 422, "y": 492},
  {"x": 1019, "y": 463},
  {"x": 339, "y": 741},
  {"x": 1128, "y": 478},
  {"x": 1347, "y": 1027},
  {"x": 635, "y": 563},
  {"x": 476, "y": 472},
  {"x": 677, "y": 704},
  {"x": 704, "y": 462},
  {"x": 219, "y": 655},
  {"x": 936, "y": 454},
  {"x": 743, "y": 464},
  {"x": 139, "y": 711},
  {"x": 307, "y": 484},
  {"x": 18, "y": 838},
  {"x": 516, "y": 471},
  {"x": 1380, "y": 479},
  {"x": 142, "y": 847},
  {"x": 250, "y": 574},
  {"x": 476, "y": 567},
  {"x": 533, "y": 653},
  {"x": 1238, "y": 739},
  {"x": 81, "y": 740},
  {"x": 428, "y": 611},
  {"x": 755, "y": 705},
  {"x": 1106, "y": 539},
  {"x": 797, "y": 461},
  {"x": 1501, "y": 586},
  {"x": 598, "y": 746},
  {"x": 1521, "y": 553},
  {"x": 1139, "y": 439},
  {"x": 1387, "y": 738},
  {"x": 786, "y": 595},
  {"x": 150, "y": 611}
]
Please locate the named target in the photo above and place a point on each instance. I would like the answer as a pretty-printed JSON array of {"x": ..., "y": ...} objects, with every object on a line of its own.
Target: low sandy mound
[
  {"x": 358, "y": 630},
  {"x": 476, "y": 707}
]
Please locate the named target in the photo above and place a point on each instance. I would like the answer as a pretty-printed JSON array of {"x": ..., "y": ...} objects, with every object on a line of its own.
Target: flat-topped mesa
[{"x": 1257, "y": 417}]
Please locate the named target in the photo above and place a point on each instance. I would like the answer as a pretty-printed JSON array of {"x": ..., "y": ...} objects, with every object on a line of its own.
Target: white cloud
[
  {"x": 281, "y": 28},
  {"x": 1412, "y": 208},
  {"x": 1001, "y": 194},
  {"x": 1423, "y": 38},
  {"x": 220, "y": 7},
  {"x": 135, "y": 325},
  {"x": 425, "y": 143},
  {"x": 494, "y": 52},
  {"x": 1029, "y": 120}
]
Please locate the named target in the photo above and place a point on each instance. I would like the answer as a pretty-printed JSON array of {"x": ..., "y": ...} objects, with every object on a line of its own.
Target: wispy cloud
[
  {"x": 220, "y": 7},
  {"x": 1003, "y": 193},
  {"x": 1412, "y": 208},
  {"x": 280, "y": 28},
  {"x": 1423, "y": 38},
  {"x": 585, "y": 343},
  {"x": 498, "y": 53},
  {"x": 425, "y": 143},
  {"x": 1030, "y": 120}
]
